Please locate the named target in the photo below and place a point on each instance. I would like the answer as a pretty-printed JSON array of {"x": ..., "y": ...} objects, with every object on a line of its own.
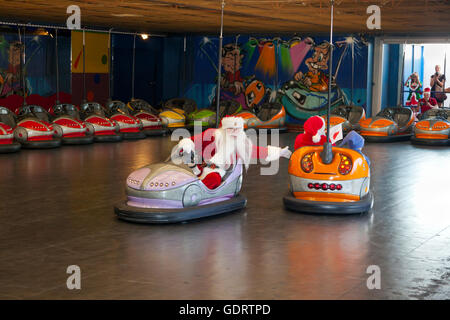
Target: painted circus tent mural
[{"x": 292, "y": 71}]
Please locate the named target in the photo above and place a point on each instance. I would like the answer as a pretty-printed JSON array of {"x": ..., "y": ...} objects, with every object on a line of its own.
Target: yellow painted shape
[{"x": 96, "y": 47}]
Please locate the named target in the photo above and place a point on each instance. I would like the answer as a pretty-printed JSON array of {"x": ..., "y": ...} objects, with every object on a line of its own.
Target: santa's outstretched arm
[{"x": 270, "y": 153}]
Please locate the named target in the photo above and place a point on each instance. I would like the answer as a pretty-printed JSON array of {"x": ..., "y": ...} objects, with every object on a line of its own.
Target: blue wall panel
[{"x": 148, "y": 68}]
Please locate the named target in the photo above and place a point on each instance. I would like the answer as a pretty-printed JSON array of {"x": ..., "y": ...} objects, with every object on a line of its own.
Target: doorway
[
  {"x": 393, "y": 59},
  {"x": 422, "y": 58}
]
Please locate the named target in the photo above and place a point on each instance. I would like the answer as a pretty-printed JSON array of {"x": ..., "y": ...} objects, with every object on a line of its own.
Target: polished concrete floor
[{"x": 56, "y": 210}]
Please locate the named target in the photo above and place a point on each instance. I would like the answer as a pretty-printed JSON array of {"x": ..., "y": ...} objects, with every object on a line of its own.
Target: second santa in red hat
[{"x": 314, "y": 133}]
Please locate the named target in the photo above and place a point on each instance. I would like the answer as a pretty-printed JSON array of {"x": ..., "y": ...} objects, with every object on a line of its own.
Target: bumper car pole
[
  {"x": 110, "y": 73},
  {"x": 22, "y": 66},
  {"x": 353, "y": 72},
  {"x": 219, "y": 66},
  {"x": 133, "y": 67},
  {"x": 84, "y": 68},
  {"x": 327, "y": 152},
  {"x": 57, "y": 66}
]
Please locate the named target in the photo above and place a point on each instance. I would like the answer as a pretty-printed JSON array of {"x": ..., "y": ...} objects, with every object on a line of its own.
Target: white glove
[
  {"x": 187, "y": 145},
  {"x": 286, "y": 153},
  {"x": 274, "y": 153}
]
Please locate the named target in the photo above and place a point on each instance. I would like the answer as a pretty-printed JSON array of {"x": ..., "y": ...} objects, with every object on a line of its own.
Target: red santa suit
[
  {"x": 314, "y": 133},
  {"x": 423, "y": 103},
  {"x": 213, "y": 167}
]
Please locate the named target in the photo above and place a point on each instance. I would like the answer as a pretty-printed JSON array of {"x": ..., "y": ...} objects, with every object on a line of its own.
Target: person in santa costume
[
  {"x": 414, "y": 105},
  {"x": 427, "y": 103},
  {"x": 315, "y": 135},
  {"x": 415, "y": 90},
  {"x": 221, "y": 148},
  {"x": 315, "y": 128}
]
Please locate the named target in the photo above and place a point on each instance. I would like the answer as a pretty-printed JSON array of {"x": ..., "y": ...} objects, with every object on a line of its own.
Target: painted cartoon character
[
  {"x": 232, "y": 64},
  {"x": 249, "y": 92},
  {"x": 315, "y": 79},
  {"x": 10, "y": 78},
  {"x": 415, "y": 91},
  {"x": 254, "y": 93}
]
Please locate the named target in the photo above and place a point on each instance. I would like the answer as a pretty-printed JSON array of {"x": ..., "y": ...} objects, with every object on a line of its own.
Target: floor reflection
[{"x": 64, "y": 198}]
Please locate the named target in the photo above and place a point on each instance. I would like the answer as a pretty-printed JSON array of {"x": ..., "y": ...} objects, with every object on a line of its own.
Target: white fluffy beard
[{"x": 229, "y": 148}]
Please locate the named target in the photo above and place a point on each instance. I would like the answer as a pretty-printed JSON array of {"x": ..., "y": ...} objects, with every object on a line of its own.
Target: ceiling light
[
  {"x": 41, "y": 32},
  {"x": 144, "y": 36}
]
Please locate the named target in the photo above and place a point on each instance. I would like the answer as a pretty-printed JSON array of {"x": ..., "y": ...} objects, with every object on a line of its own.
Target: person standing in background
[
  {"x": 415, "y": 91},
  {"x": 437, "y": 84}
]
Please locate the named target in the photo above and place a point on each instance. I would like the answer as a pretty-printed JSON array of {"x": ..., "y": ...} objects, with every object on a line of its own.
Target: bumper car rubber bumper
[
  {"x": 164, "y": 216},
  {"x": 133, "y": 135},
  {"x": 46, "y": 144},
  {"x": 78, "y": 140},
  {"x": 396, "y": 138},
  {"x": 10, "y": 148},
  {"x": 430, "y": 142},
  {"x": 155, "y": 132},
  {"x": 108, "y": 138},
  {"x": 323, "y": 207}
]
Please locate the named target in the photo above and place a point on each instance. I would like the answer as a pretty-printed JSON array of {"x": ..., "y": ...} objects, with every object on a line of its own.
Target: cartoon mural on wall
[
  {"x": 39, "y": 67},
  {"x": 248, "y": 91},
  {"x": 316, "y": 79},
  {"x": 293, "y": 72},
  {"x": 307, "y": 94},
  {"x": 10, "y": 82},
  {"x": 232, "y": 62}
]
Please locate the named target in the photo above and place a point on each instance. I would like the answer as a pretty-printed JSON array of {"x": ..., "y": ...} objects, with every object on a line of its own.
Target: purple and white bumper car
[{"x": 169, "y": 193}]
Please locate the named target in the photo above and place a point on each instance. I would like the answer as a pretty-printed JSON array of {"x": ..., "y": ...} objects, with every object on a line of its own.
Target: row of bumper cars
[
  {"x": 389, "y": 125},
  {"x": 34, "y": 127},
  {"x": 433, "y": 128}
]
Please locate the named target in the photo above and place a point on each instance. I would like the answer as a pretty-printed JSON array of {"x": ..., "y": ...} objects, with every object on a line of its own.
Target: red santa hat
[
  {"x": 427, "y": 90},
  {"x": 315, "y": 127},
  {"x": 230, "y": 122}
]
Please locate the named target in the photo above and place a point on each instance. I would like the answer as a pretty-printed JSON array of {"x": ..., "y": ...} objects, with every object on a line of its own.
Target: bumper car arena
[{"x": 219, "y": 150}]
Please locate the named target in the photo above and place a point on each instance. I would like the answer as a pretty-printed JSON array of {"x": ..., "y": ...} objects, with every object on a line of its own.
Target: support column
[{"x": 377, "y": 77}]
